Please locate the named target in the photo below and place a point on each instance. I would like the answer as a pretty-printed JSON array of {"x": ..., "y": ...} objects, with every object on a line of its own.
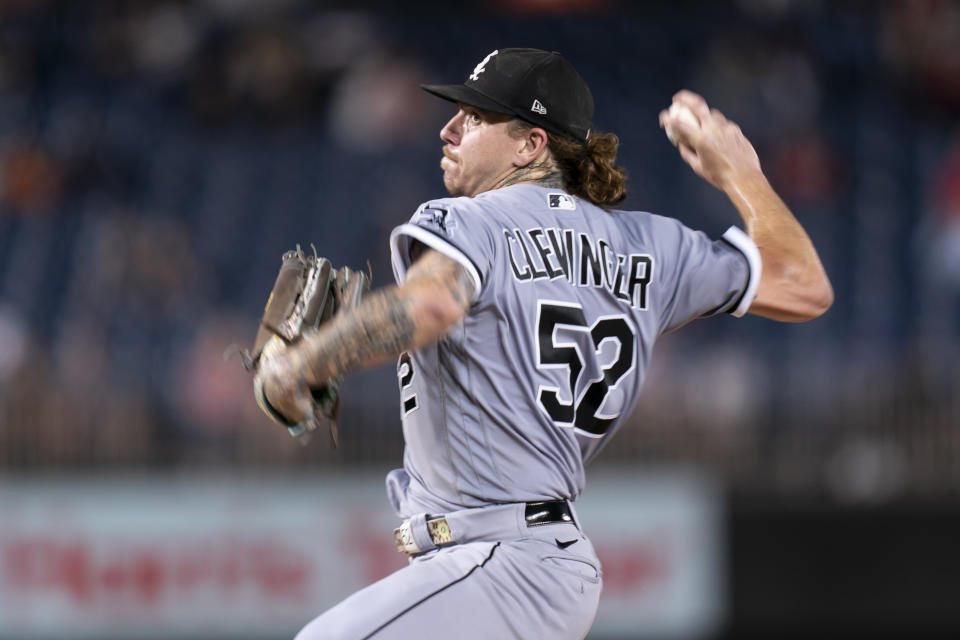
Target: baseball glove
[{"x": 307, "y": 293}]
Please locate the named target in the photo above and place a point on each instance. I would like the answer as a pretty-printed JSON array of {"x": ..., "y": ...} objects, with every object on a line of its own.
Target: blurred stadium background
[{"x": 157, "y": 157}]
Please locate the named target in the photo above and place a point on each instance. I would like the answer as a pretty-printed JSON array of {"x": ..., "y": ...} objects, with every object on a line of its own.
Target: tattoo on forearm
[
  {"x": 383, "y": 328},
  {"x": 385, "y": 324}
]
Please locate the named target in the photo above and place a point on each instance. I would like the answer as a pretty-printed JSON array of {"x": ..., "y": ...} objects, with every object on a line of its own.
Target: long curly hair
[{"x": 589, "y": 168}]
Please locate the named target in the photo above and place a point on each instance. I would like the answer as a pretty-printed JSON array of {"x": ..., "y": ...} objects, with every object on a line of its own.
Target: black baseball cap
[{"x": 540, "y": 87}]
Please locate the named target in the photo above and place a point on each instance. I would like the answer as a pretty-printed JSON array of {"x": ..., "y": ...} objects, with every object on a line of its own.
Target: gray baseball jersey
[
  {"x": 569, "y": 300},
  {"x": 512, "y": 402}
]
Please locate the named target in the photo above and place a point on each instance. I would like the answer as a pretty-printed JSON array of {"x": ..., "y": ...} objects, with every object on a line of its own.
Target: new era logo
[
  {"x": 561, "y": 201},
  {"x": 538, "y": 108}
]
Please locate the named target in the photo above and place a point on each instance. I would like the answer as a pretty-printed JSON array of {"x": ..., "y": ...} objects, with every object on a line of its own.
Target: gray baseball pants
[{"x": 506, "y": 580}]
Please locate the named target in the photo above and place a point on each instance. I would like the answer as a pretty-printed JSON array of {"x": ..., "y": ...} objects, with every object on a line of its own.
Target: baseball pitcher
[{"x": 523, "y": 319}]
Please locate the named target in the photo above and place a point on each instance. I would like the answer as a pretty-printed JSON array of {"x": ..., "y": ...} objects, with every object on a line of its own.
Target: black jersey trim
[{"x": 430, "y": 595}]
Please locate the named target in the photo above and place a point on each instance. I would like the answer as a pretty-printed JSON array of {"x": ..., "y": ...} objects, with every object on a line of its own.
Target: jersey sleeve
[
  {"x": 707, "y": 277},
  {"x": 453, "y": 228}
]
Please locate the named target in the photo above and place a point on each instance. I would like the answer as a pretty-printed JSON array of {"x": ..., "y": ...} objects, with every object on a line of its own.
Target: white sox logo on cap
[
  {"x": 522, "y": 82},
  {"x": 477, "y": 70}
]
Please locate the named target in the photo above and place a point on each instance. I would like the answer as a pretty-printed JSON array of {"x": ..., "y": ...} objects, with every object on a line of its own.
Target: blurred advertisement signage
[{"x": 257, "y": 557}]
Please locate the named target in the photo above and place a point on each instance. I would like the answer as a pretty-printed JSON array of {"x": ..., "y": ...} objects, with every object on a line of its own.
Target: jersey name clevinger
[{"x": 547, "y": 254}]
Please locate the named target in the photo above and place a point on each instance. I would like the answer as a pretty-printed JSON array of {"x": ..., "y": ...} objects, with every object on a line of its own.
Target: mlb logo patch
[{"x": 561, "y": 201}]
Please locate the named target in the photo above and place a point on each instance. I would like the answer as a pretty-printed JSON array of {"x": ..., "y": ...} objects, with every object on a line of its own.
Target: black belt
[{"x": 550, "y": 512}]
